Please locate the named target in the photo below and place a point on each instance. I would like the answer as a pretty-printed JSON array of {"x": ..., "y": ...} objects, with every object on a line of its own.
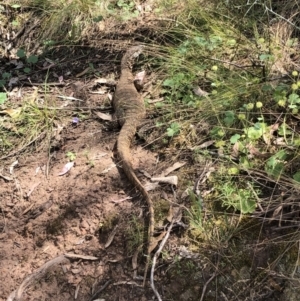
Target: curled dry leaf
[
  {"x": 235, "y": 150},
  {"x": 139, "y": 80},
  {"x": 109, "y": 96},
  {"x": 150, "y": 186},
  {"x": 86, "y": 70},
  {"x": 69, "y": 98},
  {"x": 103, "y": 116},
  {"x": 173, "y": 180},
  {"x": 12, "y": 166},
  {"x": 156, "y": 100},
  {"x": 101, "y": 91},
  {"x": 134, "y": 262},
  {"x": 13, "y": 113},
  {"x": 109, "y": 82},
  {"x": 5, "y": 177},
  {"x": 111, "y": 237},
  {"x": 34, "y": 186},
  {"x": 269, "y": 134},
  {"x": 66, "y": 168},
  {"x": 121, "y": 200},
  {"x": 199, "y": 92},
  {"x": 79, "y": 256},
  {"x": 172, "y": 168},
  {"x": 186, "y": 193},
  {"x": 155, "y": 240},
  {"x": 106, "y": 170},
  {"x": 140, "y": 76},
  {"x": 280, "y": 141},
  {"x": 174, "y": 214},
  {"x": 253, "y": 151},
  {"x": 206, "y": 144}
]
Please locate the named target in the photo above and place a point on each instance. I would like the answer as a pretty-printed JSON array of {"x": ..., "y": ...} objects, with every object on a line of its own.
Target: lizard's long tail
[{"x": 123, "y": 146}]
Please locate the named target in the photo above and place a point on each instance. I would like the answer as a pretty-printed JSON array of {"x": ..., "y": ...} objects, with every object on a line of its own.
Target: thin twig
[
  {"x": 35, "y": 276},
  {"x": 39, "y": 273},
  {"x": 162, "y": 244},
  {"x": 102, "y": 288},
  {"x": 209, "y": 280},
  {"x": 206, "y": 284}
]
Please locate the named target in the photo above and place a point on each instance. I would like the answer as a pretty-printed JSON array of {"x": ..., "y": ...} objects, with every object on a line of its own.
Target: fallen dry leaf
[
  {"x": 156, "y": 240},
  {"x": 122, "y": 200},
  {"x": 139, "y": 80},
  {"x": 101, "y": 91},
  {"x": 79, "y": 256},
  {"x": 111, "y": 237},
  {"x": 109, "y": 82},
  {"x": 173, "y": 180},
  {"x": 86, "y": 70},
  {"x": 103, "y": 116},
  {"x": 106, "y": 170},
  {"x": 150, "y": 186},
  {"x": 174, "y": 214},
  {"x": 35, "y": 185},
  {"x": 12, "y": 166},
  {"x": 206, "y": 144},
  {"x": 66, "y": 168},
  {"x": 172, "y": 168},
  {"x": 235, "y": 150},
  {"x": 13, "y": 113},
  {"x": 140, "y": 76},
  {"x": 156, "y": 100},
  {"x": 199, "y": 92}
]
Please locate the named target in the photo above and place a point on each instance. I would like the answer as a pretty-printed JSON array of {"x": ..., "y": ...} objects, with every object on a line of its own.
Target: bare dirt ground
[{"x": 71, "y": 213}]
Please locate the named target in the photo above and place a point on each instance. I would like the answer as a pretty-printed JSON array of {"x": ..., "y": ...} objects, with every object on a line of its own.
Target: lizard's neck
[
  {"x": 126, "y": 69},
  {"x": 127, "y": 74},
  {"x": 128, "y": 60}
]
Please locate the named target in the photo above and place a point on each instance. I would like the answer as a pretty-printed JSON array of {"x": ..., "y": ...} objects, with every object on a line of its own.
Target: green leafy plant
[
  {"x": 173, "y": 130},
  {"x": 128, "y": 9},
  {"x": 275, "y": 164},
  {"x": 3, "y": 97},
  {"x": 240, "y": 199},
  {"x": 71, "y": 156},
  {"x": 30, "y": 60},
  {"x": 5, "y": 77}
]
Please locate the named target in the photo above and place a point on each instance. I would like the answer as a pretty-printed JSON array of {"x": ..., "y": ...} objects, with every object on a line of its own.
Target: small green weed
[
  {"x": 24, "y": 65},
  {"x": 19, "y": 126},
  {"x": 126, "y": 9},
  {"x": 3, "y": 97},
  {"x": 241, "y": 199},
  {"x": 173, "y": 130},
  {"x": 90, "y": 162},
  {"x": 71, "y": 156},
  {"x": 135, "y": 232},
  {"x": 208, "y": 225},
  {"x": 30, "y": 60}
]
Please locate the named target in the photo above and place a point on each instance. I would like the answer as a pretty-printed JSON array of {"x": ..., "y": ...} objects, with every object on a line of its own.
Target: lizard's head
[
  {"x": 135, "y": 51},
  {"x": 131, "y": 54}
]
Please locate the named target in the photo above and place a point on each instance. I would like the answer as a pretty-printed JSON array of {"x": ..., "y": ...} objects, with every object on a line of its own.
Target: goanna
[{"x": 130, "y": 110}]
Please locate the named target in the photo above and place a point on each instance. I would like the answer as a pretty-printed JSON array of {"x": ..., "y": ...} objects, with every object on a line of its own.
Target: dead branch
[{"x": 39, "y": 273}]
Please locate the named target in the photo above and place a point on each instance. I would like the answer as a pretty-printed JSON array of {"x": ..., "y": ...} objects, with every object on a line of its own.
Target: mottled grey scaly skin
[{"x": 130, "y": 111}]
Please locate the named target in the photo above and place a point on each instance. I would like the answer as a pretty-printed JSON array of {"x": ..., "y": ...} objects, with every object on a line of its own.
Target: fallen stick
[
  {"x": 39, "y": 273},
  {"x": 35, "y": 276}
]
